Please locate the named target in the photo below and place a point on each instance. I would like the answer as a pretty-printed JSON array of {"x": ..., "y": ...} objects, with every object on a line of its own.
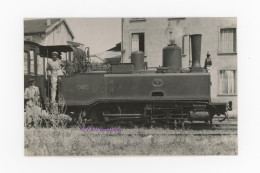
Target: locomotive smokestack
[{"x": 195, "y": 51}]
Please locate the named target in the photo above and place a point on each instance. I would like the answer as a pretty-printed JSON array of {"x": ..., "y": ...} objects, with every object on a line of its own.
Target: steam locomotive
[{"x": 130, "y": 92}]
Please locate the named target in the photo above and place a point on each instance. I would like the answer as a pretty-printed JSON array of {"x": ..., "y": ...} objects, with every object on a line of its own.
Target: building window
[
  {"x": 32, "y": 71},
  {"x": 25, "y": 55},
  {"x": 137, "y": 20},
  {"x": 227, "y": 40},
  {"x": 227, "y": 82},
  {"x": 138, "y": 42},
  {"x": 178, "y": 19}
]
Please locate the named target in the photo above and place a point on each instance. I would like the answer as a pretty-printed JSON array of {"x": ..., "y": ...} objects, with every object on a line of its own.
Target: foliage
[{"x": 53, "y": 116}]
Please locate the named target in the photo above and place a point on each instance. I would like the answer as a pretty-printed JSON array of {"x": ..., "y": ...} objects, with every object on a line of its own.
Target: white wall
[{"x": 59, "y": 36}]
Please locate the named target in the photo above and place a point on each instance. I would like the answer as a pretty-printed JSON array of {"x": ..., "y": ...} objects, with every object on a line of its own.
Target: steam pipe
[
  {"x": 87, "y": 52},
  {"x": 184, "y": 46}
]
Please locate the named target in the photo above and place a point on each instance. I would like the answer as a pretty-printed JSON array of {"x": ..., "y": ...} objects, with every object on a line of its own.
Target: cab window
[
  {"x": 25, "y": 55},
  {"x": 32, "y": 67}
]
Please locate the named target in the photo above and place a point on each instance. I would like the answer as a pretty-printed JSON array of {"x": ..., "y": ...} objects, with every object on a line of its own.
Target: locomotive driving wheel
[
  {"x": 95, "y": 114},
  {"x": 109, "y": 109}
]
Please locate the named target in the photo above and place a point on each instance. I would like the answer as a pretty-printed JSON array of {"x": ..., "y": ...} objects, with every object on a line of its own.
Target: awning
[{"x": 45, "y": 51}]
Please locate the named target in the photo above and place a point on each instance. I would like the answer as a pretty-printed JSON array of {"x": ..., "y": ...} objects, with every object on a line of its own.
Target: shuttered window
[
  {"x": 227, "y": 40},
  {"x": 138, "y": 42},
  {"x": 227, "y": 82}
]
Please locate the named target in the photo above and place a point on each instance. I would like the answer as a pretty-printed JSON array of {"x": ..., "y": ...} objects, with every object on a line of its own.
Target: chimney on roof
[{"x": 48, "y": 22}]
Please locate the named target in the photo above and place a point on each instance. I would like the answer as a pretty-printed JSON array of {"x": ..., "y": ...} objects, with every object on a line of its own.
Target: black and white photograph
[{"x": 130, "y": 86}]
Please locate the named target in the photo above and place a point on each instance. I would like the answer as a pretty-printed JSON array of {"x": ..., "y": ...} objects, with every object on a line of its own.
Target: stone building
[{"x": 219, "y": 38}]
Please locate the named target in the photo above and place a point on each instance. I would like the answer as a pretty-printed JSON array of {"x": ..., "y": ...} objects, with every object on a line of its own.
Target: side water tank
[
  {"x": 172, "y": 58},
  {"x": 137, "y": 58}
]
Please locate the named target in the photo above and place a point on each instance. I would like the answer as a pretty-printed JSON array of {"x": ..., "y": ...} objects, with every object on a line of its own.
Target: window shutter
[
  {"x": 227, "y": 82},
  {"x": 135, "y": 42},
  {"x": 227, "y": 40},
  {"x": 231, "y": 82}
]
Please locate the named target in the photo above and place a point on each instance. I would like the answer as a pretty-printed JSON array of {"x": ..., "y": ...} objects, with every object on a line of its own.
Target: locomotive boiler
[{"x": 129, "y": 92}]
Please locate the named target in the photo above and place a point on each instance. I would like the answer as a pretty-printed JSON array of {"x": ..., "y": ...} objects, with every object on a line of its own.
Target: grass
[{"x": 74, "y": 142}]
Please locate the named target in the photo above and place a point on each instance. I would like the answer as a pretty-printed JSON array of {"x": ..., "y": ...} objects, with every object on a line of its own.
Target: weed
[{"x": 73, "y": 142}]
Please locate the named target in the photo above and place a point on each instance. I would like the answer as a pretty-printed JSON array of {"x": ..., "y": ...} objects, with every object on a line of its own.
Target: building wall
[
  {"x": 59, "y": 36},
  {"x": 157, "y": 37}
]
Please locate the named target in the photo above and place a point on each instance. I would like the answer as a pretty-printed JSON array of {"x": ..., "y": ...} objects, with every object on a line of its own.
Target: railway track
[
  {"x": 227, "y": 128},
  {"x": 170, "y": 134},
  {"x": 230, "y": 124},
  {"x": 224, "y": 128}
]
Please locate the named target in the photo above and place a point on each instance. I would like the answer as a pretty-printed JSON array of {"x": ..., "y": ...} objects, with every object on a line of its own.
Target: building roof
[
  {"x": 40, "y": 26},
  {"x": 112, "y": 54},
  {"x": 108, "y": 54},
  {"x": 116, "y": 48}
]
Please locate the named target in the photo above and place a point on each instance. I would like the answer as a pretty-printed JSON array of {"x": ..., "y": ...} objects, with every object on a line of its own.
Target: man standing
[
  {"x": 32, "y": 98},
  {"x": 208, "y": 61},
  {"x": 54, "y": 66}
]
